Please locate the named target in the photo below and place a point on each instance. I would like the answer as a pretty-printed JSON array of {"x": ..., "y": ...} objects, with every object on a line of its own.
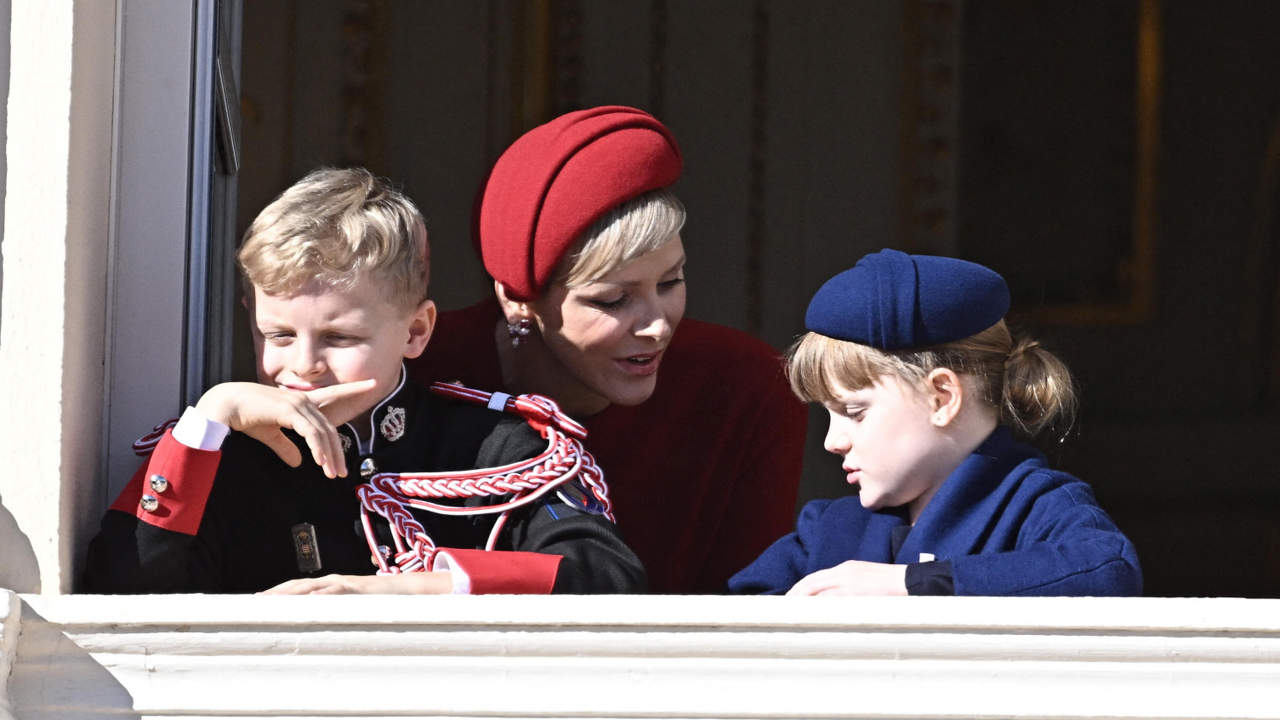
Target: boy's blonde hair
[
  {"x": 336, "y": 227},
  {"x": 1029, "y": 387},
  {"x": 632, "y": 229}
]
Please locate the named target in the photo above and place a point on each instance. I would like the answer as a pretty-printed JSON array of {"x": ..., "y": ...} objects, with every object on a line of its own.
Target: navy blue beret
[{"x": 894, "y": 301}]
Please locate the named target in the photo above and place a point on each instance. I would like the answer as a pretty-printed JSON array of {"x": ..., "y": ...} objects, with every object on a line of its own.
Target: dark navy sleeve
[
  {"x": 569, "y": 523},
  {"x": 594, "y": 559},
  {"x": 930, "y": 578},
  {"x": 1067, "y": 546},
  {"x": 129, "y": 556},
  {"x": 158, "y": 550},
  {"x": 784, "y": 562}
]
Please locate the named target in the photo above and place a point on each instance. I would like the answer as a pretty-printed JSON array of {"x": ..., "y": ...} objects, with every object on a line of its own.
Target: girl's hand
[
  {"x": 428, "y": 583},
  {"x": 854, "y": 577},
  {"x": 261, "y": 411}
]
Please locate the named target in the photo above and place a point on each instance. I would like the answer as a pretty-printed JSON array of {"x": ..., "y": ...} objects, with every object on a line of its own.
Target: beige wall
[
  {"x": 18, "y": 569},
  {"x": 4, "y": 93},
  {"x": 55, "y": 249}
]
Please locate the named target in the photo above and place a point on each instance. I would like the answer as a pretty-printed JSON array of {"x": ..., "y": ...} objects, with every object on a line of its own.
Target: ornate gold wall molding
[
  {"x": 1136, "y": 274},
  {"x": 930, "y": 126},
  {"x": 361, "y": 111}
]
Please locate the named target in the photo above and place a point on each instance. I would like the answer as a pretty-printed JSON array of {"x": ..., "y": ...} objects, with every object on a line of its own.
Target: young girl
[{"x": 926, "y": 390}]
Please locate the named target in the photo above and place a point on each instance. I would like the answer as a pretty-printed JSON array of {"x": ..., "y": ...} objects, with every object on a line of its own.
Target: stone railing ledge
[{"x": 638, "y": 656}]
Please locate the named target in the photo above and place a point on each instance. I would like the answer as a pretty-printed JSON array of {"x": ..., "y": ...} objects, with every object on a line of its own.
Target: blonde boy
[{"x": 335, "y": 279}]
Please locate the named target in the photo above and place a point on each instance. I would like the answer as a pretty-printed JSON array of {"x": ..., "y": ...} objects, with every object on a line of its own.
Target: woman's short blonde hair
[
  {"x": 1029, "y": 387},
  {"x": 336, "y": 227},
  {"x": 632, "y": 229}
]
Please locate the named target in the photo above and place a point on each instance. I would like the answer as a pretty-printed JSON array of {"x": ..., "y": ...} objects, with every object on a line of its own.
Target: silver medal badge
[{"x": 392, "y": 425}]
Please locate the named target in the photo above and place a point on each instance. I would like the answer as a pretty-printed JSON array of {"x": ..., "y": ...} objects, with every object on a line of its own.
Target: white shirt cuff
[
  {"x": 199, "y": 432},
  {"x": 461, "y": 580}
]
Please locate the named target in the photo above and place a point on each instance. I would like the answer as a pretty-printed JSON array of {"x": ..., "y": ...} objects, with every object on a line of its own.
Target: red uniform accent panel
[
  {"x": 499, "y": 572},
  {"x": 189, "y": 474}
]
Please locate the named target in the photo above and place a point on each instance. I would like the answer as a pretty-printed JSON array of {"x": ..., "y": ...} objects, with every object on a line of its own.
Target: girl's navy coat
[{"x": 1007, "y": 523}]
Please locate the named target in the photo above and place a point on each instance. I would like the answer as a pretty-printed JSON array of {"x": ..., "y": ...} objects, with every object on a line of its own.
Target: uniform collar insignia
[
  {"x": 392, "y": 425},
  {"x": 386, "y": 419}
]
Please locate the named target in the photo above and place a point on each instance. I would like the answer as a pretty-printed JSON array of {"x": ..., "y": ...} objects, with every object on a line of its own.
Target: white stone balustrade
[{"x": 635, "y": 656}]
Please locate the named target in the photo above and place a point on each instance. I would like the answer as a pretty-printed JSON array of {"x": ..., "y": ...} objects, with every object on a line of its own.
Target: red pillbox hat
[{"x": 559, "y": 178}]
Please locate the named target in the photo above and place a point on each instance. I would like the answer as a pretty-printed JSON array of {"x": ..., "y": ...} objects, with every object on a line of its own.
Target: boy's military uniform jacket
[
  {"x": 240, "y": 520},
  {"x": 1003, "y": 523}
]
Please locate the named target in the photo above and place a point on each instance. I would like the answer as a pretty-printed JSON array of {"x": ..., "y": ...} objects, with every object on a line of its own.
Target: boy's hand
[
  {"x": 425, "y": 583},
  {"x": 261, "y": 411},
  {"x": 854, "y": 577}
]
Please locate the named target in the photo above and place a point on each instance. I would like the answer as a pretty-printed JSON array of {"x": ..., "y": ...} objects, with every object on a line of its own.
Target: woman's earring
[{"x": 519, "y": 331}]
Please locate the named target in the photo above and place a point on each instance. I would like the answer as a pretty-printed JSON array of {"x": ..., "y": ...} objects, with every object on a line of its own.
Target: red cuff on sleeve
[
  {"x": 507, "y": 572},
  {"x": 188, "y": 477}
]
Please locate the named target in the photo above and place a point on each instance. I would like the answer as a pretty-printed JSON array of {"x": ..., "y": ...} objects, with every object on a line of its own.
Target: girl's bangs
[{"x": 817, "y": 365}]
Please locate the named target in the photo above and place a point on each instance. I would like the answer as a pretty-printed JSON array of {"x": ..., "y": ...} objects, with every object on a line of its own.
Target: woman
[{"x": 694, "y": 425}]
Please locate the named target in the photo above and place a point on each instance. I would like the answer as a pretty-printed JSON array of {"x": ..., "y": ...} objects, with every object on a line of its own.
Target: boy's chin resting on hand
[
  {"x": 439, "y": 582},
  {"x": 854, "y": 577}
]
